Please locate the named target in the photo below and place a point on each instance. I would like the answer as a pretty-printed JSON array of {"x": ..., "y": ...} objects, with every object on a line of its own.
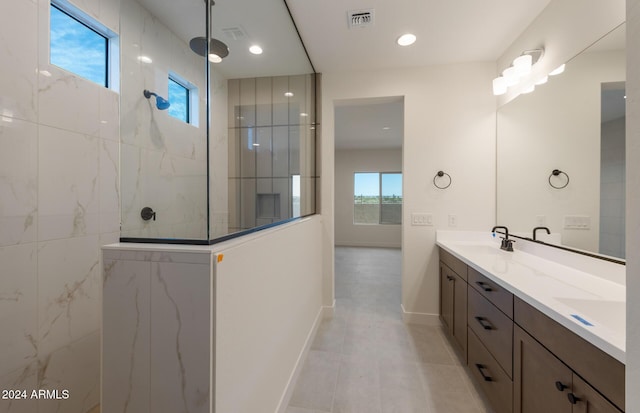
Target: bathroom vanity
[{"x": 541, "y": 330}]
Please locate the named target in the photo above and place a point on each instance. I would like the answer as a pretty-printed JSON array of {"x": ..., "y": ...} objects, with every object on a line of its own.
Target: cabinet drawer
[
  {"x": 495, "y": 383},
  {"x": 500, "y": 297},
  {"x": 493, "y": 328},
  {"x": 455, "y": 264}
]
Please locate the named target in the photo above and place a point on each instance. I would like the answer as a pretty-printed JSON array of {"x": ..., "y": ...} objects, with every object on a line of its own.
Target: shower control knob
[{"x": 147, "y": 213}]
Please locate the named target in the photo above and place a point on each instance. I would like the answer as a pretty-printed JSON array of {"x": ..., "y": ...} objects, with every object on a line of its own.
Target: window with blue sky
[
  {"x": 179, "y": 98},
  {"x": 377, "y": 198},
  {"x": 77, "y": 48}
]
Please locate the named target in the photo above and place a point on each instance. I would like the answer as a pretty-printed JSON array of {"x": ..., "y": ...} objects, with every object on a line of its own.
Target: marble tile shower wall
[
  {"x": 59, "y": 202},
  {"x": 164, "y": 163}
]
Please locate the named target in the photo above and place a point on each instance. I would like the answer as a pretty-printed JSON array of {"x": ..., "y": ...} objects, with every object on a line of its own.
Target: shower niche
[{"x": 214, "y": 149}]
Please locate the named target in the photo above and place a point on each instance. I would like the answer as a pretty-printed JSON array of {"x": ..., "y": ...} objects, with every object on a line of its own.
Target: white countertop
[{"x": 589, "y": 303}]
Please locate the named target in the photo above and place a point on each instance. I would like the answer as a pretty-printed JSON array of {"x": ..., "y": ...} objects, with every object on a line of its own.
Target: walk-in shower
[{"x": 235, "y": 151}]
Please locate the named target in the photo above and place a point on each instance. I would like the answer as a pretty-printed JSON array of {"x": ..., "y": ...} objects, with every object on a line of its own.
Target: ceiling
[
  {"x": 369, "y": 123},
  {"x": 450, "y": 31},
  {"x": 447, "y": 32}
]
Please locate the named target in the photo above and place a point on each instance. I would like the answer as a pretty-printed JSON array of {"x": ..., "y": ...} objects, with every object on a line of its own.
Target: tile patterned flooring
[{"x": 367, "y": 360}]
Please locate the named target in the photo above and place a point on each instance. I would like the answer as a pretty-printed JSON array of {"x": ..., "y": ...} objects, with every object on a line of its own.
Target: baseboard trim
[
  {"x": 293, "y": 378},
  {"x": 367, "y": 244},
  {"x": 420, "y": 318}
]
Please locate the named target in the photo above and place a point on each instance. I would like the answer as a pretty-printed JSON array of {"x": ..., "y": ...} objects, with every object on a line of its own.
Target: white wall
[
  {"x": 268, "y": 302},
  {"x": 59, "y": 202},
  {"x": 633, "y": 206},
  {"x": 547, "y": 130},
  {"x": 349, "y": 162},
  {"x": 449, "y": 124}
]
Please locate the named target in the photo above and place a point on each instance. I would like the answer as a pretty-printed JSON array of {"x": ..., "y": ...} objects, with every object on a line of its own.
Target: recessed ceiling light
[
  {"x": 145, "y": 59},
  {"x": 255, "y": 49},
  {"x": 406, "y": 39},
  {"x": 304, "y": 114},
  {"x": 288, "y": 94},
  {"x": 256, "y": 144},
  {"x": 386, "y": 128},
  {"x": 214, "y": 58}
]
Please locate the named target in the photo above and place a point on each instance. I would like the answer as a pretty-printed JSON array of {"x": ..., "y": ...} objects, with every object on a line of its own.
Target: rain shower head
[
  {"x": 161, "y": 103},
  {"x": 217, "y": 49}
]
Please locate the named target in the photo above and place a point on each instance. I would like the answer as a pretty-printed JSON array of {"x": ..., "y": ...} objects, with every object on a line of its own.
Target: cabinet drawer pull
[
  {"x": 484, "y": 323},
  {"x": 450, "y": 278},
  {"x": 484, "y": 286},
  {"x": 560, "y": 386},
  {"x": 572, "y": 398},
  {"x": 481, "y": 369}
]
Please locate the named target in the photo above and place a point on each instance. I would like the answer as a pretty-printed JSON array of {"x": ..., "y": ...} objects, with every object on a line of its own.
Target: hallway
[{"x": 367, "y": 360}]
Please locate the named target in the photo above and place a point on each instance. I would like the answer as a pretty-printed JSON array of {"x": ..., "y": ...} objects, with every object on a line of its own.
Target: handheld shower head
[{"x": 161, "y": 103}]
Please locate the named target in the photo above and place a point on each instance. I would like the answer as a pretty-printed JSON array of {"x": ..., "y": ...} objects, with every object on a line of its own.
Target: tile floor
[{"x": 367, "y": 360}]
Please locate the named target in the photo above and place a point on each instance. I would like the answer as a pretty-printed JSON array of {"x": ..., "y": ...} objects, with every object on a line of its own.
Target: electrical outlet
[
  {"x": 421, "y": 218},
  {"x": 453, "y": 220}
]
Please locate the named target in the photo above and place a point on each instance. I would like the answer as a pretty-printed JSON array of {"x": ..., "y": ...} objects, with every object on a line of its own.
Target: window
[
  {"x": 81, "y": 45},
  {"x": 183, "y": 96},
  {"x": 179, "y": 98},
  {"x": 377, "y": 198}
]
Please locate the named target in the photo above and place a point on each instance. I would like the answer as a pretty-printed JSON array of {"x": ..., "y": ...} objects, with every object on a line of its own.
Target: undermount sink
[{"x": 604, "y": 313}]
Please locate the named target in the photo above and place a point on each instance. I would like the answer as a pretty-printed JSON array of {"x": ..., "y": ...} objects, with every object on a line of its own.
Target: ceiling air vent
[
  {"x": 360, "y": 18},
  {"x": 234, "y": 33}
]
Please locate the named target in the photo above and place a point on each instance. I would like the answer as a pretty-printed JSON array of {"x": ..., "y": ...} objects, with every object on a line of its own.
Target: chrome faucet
[
  {"x": 539, "y": 228},
  {"x": 506, "y": 244}
]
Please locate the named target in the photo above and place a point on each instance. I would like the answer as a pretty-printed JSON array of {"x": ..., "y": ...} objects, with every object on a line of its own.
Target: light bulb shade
[
  {"x": 522, "y": 64},
  {"x": 557, "y": 71},
  {"x": 499, "y": 86},
  {"x": 542, "y": 80},
  {"x": 529, "y": 89},
  {"x": 510, "y": 76}
]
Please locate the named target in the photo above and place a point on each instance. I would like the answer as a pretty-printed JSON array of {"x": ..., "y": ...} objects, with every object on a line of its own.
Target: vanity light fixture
[
  {"x": 255, "y": 49},
  {"x": 406, "y": 39},
  {"x": 557, "y": 70},
  {"x": 520, "y": 67},
  {"x": 529, "y": 89},
  {"x": 542, "y": 80}
]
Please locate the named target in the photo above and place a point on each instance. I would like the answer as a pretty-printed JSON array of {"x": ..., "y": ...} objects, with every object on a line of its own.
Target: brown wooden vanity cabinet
[
  {"x": 453, "y": 301},
  {"x": 524, "y": 361},
  {"x": 542, "y": 383}
]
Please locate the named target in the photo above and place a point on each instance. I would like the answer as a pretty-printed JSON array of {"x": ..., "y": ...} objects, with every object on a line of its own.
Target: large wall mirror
[
  {"x": 213, "y": 145},
  {"x": 574, "y": 125}
]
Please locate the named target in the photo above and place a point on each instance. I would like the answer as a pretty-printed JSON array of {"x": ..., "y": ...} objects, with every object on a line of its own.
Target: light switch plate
[
  {"x": 421, "y": 219},
  {"x": 453, "y": 220}
]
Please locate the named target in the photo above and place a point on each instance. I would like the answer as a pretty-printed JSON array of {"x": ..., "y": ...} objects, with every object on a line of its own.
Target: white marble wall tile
[
  {"x": 24, "y": 378},
  {"x": 180, "y": 363},
  {"x": 68, "y": 102},
  {"x": 18, "y": 307},
  {"x": 69, "y": 291},
  {"x": 18, "y": 181},
  {"x": 18, "y": 45},
  {"x": 109, "y": 186},
  {"x": 126, "y": 336},
  {"x": 109, "y": 115},
  {"x": 76, "y": 368},
  {"x": 68, "y": 184}
]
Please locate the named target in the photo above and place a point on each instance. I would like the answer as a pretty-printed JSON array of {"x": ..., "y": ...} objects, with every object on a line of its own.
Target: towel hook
[
  {"x": 558, "y": 172},
  {"x": 440, "y": 174}
]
